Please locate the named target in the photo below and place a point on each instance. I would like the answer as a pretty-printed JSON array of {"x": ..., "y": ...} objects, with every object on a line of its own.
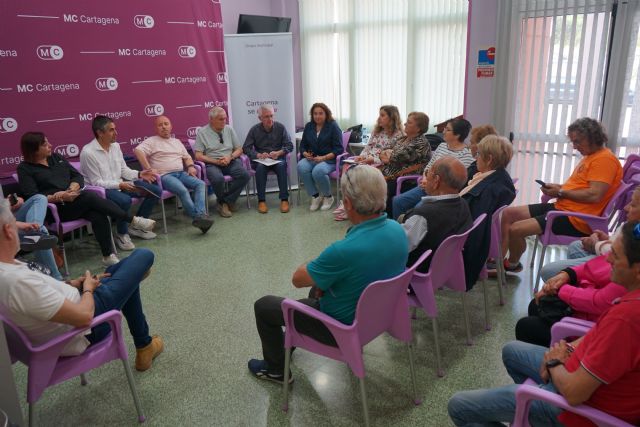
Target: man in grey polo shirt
[
  {"x": 269, "y": 140},
  {"x": 218, "y": 147}
]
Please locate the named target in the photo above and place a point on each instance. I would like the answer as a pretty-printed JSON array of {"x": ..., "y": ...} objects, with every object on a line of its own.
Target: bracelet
[
  {"x": 191, "y": 166},
  {"x": 87, "y": 290}
]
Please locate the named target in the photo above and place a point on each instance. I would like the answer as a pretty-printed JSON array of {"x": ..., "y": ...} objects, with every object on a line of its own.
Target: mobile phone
[
  {"x": 13, "y": 199},
  {"x": 542, "y": 183}
]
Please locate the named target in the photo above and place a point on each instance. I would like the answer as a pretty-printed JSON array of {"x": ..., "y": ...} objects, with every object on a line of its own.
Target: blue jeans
[
  {"x": 123, "y": 199},
  {"x": 407, "y": 200},
  {"x": 576, "y": 255},
  {"x": 34, "y": 210},
  {"x": 315, "y": 176},
  {"x": 262, "y": 171},
  {"x": 490, "y": 407},
  {"x": 121, "y": 291},
  {"x": 179, "y": 183},
  {"x": 235, "y": 170}
]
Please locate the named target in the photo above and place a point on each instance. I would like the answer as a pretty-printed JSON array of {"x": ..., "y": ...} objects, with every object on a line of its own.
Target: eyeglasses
[{"x": 346, "y": 174}]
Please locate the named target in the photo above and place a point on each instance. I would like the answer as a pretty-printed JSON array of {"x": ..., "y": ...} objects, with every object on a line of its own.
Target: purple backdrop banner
[{"x": 62, "y": 63}]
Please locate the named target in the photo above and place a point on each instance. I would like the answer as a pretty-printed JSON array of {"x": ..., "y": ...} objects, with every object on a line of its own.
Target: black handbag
[
  {"x": 551, "y": 309},
  {"x": 356, "y": 134}
]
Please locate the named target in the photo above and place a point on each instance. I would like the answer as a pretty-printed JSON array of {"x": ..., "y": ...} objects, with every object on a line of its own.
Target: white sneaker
[
  {"x": 144, "y": 224},
  {"x": 141, "y": 234},
  {"x": 327, "y": 203},
  {"x": 315, "y": 203},
  {"x": 123, "y": 241},
  {"x": 110, "y": 260}
]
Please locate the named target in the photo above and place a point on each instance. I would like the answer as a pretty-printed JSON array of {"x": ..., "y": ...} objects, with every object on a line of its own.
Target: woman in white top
[{"x": 385, "y": 134}]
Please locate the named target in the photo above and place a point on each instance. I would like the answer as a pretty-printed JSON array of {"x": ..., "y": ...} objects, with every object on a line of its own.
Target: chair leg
[
  {"x": 416, "y": 399},
  {"x": 533, "y": 254},
  {"x": 543, "y": 252},
  {"x": 285, "y": 384},
  {"x": 164, "y": 217},
  {"x": 83, "y": 379},
  {"x": 113, "y": 243},
  {"x": 246, "y": 189},
  {"x": 487, "y": 325},
  {"x": 501, "y": 280},
  {"x": 436, "y": 340},
  {"x": 465, "y": 314},
  {"x": 365, "y": 404},
  {"x": 134, "y": 392},
  {"x": 32, "y": 414},
  {"x": 299, "y": 190}
]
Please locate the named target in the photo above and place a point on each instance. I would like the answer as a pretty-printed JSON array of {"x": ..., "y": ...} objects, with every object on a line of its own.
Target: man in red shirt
[{"x": 601, "y": 369}]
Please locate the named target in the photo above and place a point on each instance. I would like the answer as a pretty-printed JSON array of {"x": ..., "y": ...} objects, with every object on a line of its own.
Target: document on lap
[
  {"x": 147, "y": 188},
  {"x": 267, "y": 162}
]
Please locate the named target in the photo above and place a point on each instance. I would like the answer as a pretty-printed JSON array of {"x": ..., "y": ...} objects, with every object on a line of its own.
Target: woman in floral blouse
[
  {"x": 408, "y": 156},
  {"x": 387, "y": 132}
]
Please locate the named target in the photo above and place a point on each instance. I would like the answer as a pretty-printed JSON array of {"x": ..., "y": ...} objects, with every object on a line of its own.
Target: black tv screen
[{"x": 262, "y": 24}]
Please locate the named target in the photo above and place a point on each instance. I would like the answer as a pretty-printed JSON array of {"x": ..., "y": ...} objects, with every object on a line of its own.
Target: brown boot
[
  {"x": 262, "y": 207},
  {"x": 284, "y": 206},
  {"x": 145, "y": 355}
]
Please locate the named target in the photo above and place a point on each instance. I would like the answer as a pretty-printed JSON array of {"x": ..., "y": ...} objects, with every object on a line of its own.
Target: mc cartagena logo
[
  {"x": 192, "y": 132},
  {"x": 143, "y": 21},
  {"x": 8, "y": 124},
  {"x": 49, "y": 52},
  {"x": 106, "y": 83},
  {"x": 187, "y": 51},
  {"x": 153, "y": 110},
  {"x": 69, "y": 150}
]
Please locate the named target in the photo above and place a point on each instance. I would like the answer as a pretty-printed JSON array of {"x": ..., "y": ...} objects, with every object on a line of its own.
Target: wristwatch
[
  {"x": 560, "y": 194},
  {"x": 553, "y": 363}
]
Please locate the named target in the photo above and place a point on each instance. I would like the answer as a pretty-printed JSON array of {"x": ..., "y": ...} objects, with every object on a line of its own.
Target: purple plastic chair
[
  {"x": 529, "y": 391},
  {"x": 382, "y": 307},
  {"x": 446, "y": 269},
  {"x": 631, "y": 167},
  {"x": 495, "y": 252},
  {"x": 404, "y": 178},
  {"x": 337, "y": 173},
  {"x": 603, "y": 222},
  {"x": 227, "y": 178},
  {"x": 570, "y": 327},
  {"x": 48, "y": 368}
]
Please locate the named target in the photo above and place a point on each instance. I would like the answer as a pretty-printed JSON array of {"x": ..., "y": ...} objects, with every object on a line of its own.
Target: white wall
[{"x": 482, "y": 32}]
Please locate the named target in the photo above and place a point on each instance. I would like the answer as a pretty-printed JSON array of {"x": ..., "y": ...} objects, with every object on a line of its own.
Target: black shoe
[
  {"x": 37, "y": 242},
  {"x": 259, "y": 369},
  {"x": 203, "y": 223}
]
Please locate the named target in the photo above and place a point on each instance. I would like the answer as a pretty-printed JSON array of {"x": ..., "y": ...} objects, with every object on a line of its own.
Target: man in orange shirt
[{"x": 588, "y": 190}]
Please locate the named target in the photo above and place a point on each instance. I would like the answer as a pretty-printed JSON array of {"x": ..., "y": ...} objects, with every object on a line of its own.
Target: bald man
[
  {"x": 167, "y": 157},
  {"x": 440, "y": 214}
]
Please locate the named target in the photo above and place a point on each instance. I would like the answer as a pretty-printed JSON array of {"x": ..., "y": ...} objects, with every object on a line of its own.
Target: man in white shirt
[
  {"x": 45, "y": 308},
  {"x": 103, "y": 165},
  {"x": 167, "y": 157}
]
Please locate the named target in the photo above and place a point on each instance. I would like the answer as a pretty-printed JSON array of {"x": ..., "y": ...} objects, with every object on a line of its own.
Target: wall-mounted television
[{"x": 262, "y": 24}]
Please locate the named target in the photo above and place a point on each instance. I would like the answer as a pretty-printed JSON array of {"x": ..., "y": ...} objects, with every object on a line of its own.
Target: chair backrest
[
  {"x": 345, "y": 139},
  {"x": 631, "y": 167},
  {"x": 447, "y": 265},
  {"x": 496, "y": 234},
  {"x": 20, "y": 347},
  {"x": 384, "y": 307}
]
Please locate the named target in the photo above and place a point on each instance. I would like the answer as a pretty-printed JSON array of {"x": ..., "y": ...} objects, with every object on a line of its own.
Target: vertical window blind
[
  {"x": 360, "y": 54},
  {"x": 561, "y": 74}
]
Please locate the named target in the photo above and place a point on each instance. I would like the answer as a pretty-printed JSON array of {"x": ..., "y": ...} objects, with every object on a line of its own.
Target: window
[{"x": 360, "y": 54}]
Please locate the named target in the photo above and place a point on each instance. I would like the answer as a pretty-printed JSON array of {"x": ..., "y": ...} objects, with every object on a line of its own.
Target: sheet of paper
[
  {"x": 33, "y": 238},
  {"x": 267, "y": 162}
]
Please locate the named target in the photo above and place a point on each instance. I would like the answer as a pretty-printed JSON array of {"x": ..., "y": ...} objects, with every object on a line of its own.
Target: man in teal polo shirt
[{"x": 375, "y": 248}]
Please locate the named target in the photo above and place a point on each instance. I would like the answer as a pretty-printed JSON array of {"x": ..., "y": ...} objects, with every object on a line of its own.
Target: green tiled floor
[{"x": 199, "y": 298}]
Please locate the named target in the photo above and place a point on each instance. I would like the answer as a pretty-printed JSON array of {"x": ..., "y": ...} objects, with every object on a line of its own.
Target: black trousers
[
  {"x": 88, "y": 205},
  {"x": 269, "y": 321},
  {"x": 533, "y": 329}
]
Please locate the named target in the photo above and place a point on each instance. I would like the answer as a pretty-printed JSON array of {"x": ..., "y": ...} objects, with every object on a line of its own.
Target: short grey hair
[
  {"x": 366, "y": 188},
  {"x": 215, "y": 112},
  {"x": 6, "y": 216},
  {"x": 265, "y": 107},
  {"x": 442, "y": 168}
]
